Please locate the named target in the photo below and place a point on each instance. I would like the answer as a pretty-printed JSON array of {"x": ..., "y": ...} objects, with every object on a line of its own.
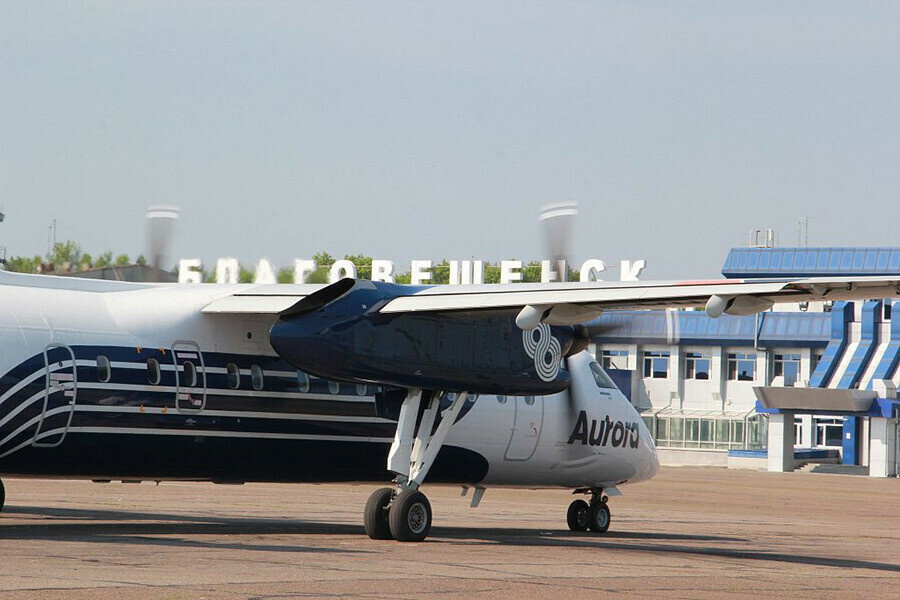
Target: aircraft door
[
  {"x": 190, "y": 377},
  {"x": 527, "y": 428},
  {"x": 61, "y": 383}
]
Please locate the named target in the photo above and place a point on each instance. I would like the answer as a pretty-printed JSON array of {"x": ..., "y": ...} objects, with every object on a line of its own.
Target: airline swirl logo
[{"x": 544, "y": 349}]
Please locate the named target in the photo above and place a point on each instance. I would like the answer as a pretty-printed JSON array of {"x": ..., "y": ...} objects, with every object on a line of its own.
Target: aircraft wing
[{"x": 570, "y": 303}]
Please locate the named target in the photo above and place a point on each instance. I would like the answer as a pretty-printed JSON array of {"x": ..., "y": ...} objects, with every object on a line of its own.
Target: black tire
[
  {"x": 375, "y": 517},
  {"x": 578, "y": 516},
  {"x": 600, "y": 518},
  {"x": 410, "y": 516},
  {"x": 2, "y": 495}
]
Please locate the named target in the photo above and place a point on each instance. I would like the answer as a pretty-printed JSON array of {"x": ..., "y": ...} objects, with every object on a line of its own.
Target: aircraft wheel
[
  {"x": 578, "y": 516},
  {"x": 375, "y": 517},
  {"x": 600, "y": 517},
  {"x": 410, "y": 516},
  {"x": 2, "y": 495}
]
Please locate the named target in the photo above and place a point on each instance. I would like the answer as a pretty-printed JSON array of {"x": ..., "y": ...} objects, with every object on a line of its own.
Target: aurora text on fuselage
[{"x": 603, "y": 432}]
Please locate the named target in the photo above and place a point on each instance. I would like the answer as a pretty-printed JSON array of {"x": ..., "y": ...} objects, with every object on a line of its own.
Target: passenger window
[
  {"x": 190, "y": 374},
  {"x": 361, "y": 389},
  {"x": 334, "y": 387},
  {"x": 104, "y": 370},
  {"x": 234, "y": 376},
  {"x": 501, "y": 399},
  {"x": 302, "y": 382},
  {"x": 256, "y": 377},
  {"x": 529, "y": 400},
  {"x": 602, "y": 379},
  {"x": 153, "y": 374}
]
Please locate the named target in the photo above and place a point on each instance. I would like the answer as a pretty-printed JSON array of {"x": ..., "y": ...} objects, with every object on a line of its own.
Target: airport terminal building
[{"x": 693, "y": 377}]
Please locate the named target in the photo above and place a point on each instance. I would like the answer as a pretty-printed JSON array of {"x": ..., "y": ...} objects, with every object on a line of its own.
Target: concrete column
[
  {"x": 676, "y": 380},
  {"x": 809, "y": 431},
  {"x": 882, "y": 451},
  {"x": 781, "y": 442}
]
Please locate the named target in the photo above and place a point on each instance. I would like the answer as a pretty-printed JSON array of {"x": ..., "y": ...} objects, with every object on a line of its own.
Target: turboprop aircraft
[{"x": 483, "y": 385}]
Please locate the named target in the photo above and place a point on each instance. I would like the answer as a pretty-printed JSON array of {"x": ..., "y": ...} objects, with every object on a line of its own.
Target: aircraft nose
[{"x": 649, "y": 460}]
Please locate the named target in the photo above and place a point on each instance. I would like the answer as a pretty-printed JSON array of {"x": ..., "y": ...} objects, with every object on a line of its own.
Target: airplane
[{"x": 354, "y": 381}]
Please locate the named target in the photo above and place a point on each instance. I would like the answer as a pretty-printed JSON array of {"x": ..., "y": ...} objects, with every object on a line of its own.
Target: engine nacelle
[
  {"x": 339, "y": 334},
  {"x": 736, "y": 305}
]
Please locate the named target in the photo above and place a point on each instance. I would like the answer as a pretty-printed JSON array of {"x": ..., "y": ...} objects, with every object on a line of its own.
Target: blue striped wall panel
[
  {"x": 871, "y": 319},
  {"x": 841, "y": 315}
]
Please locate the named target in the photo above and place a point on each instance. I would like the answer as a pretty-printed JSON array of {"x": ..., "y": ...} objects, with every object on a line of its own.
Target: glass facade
[{"x": 708, "y": 431}]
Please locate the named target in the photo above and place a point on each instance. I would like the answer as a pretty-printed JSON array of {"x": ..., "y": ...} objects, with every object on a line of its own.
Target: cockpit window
[{"x": 602, "y": 379}]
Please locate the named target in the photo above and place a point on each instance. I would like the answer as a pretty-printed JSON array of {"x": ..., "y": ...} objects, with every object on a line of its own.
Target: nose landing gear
[{"x": 595, "y": 516}]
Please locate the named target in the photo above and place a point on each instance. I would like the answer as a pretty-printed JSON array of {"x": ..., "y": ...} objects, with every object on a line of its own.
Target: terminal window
[
  {"x": 829, "y": 432},
  {"x": 741, "y": 367},
  {"x": 787, "y": 366},
  {"x": 696, "y": 366},
  {"x": 656, "y": 365},
  {"x": 614, "y": 359}
]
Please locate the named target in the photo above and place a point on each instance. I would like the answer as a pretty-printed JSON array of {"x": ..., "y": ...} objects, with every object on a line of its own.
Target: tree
[
  {"x": 65, "y": 253},
  {"x": 104, "y": 260},
  {"x": 246, "y": 275},
  {"x": 440, "y": 273},
  {"x": 122, "y": 260},
  {"x": 141, "y": 260},
  {"x": 323, "y": 262},
  {"x": 285, "y": 275},
  {"x": 531, "y": 272},
  {"x": 362, "y": 263},
  {"x": 23, "y": 264}
]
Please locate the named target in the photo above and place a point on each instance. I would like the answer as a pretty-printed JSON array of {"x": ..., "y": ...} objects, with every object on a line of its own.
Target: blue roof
[
  {"x": 810, "y": 262},
  {"x": 786, "y": 329}
]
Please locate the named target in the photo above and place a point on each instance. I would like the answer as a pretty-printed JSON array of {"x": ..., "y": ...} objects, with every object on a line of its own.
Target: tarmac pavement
[{"x": 688, "y": 533}]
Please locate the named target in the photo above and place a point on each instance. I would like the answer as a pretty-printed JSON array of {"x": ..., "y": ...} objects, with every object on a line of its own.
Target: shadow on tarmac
[{"x": 127, "y": 527}]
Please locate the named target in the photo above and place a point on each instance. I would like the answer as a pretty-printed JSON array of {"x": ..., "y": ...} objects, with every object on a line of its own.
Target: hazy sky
[{"x": 426, "y": 130}]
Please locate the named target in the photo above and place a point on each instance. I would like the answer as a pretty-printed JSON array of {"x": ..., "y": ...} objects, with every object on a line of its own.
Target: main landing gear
[
  {"x": 2, "y": 495},
  {"x": 595, "y": 516},
  {"x": 403, "y": 513}
]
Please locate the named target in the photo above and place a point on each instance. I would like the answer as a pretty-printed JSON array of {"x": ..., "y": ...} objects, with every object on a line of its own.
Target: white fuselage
[{"x": 588, "y": 436}]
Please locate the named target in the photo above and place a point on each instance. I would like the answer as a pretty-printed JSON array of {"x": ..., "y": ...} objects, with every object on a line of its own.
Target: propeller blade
[
  {"x": 557, "y": 220},
  {"x": 161, "y": 222}
]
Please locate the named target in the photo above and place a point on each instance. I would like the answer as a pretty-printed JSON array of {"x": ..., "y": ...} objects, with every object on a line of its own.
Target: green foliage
[
  {"x": 141, "y": 260},
  {"x": 362, "y": 263},
  {"x": 104, "y": 260},
  {"x": 531, "y": 272},
  {"x": 491, "y": 273},
  {"x": 323, "y": 259},
  {"x": 23, "y": 264},
  {"x": 403, "y": 278},
  {"x": 285, "y": 275},
  {"x": 440, "y": 273},
  {"x": 65, "y": 253},
  {"x": 86, "y": 261},
  {"x": 246, "y": 275},
  {"x": 122, "y": 260},
  {"x": 323, "y": 262}
]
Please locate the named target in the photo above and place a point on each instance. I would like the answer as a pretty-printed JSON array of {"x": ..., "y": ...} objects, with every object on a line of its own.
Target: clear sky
[{"x": 432, "y": 130}]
